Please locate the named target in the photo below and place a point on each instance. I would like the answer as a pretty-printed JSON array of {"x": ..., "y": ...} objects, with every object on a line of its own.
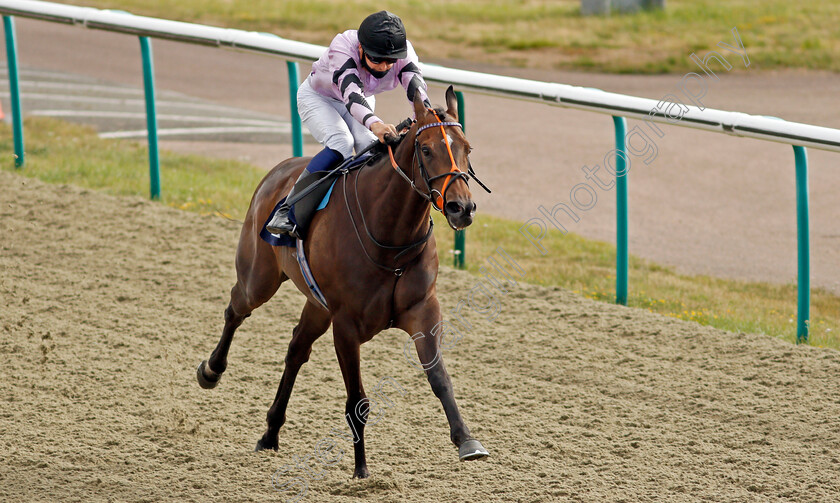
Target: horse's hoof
[
  {"x": 472, "y": 449},
  {"x": 203, "y": 380},
  {"x": 266, "y": 446},
  {"x": 361, "y": 474}
]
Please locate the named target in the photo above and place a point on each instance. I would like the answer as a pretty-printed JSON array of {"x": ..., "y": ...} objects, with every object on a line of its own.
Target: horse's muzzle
[{"x": 460, "y": 214}]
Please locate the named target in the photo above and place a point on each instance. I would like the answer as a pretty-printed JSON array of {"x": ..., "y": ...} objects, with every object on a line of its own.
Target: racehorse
[{"x": 375, "y": 278}]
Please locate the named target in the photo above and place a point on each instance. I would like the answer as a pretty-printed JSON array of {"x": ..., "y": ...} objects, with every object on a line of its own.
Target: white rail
[{"x": 595, "y": 100}]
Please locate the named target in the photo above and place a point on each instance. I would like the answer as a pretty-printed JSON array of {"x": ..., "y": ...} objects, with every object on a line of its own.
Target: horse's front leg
[
  {"x": 346, "y": 339},
  {"x": 423, "y": 323}
]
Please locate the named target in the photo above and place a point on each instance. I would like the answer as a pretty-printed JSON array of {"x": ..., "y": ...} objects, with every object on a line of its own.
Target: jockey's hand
[{"x": 381, "y": 130}]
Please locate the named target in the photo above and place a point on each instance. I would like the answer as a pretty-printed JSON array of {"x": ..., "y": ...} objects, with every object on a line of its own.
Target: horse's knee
[
  {"x": 439, "y": 381},
  {"x": 296, "y": 358}
]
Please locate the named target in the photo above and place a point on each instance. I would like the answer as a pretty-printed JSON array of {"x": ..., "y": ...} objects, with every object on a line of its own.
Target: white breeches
[{"x": 330, "y": 123}]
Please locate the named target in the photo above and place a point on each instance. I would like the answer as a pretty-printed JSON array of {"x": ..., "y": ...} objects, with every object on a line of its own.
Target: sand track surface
[{"x": 109, "y": 303}]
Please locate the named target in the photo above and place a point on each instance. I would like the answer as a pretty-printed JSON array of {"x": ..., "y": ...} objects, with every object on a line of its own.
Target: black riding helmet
[{"x": 382, "y": 35}]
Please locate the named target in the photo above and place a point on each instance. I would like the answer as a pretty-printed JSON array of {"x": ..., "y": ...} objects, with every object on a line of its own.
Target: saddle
[{"x": 302, "y": 211}]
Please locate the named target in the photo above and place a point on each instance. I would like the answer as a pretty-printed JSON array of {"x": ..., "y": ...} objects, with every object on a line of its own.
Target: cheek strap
[{"x": 454, "y": 167}]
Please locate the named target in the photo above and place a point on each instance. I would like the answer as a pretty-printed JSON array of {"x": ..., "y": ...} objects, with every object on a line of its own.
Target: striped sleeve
[
  {"x": 350, "y": 86},
  {"x": 411, "y": 78}
]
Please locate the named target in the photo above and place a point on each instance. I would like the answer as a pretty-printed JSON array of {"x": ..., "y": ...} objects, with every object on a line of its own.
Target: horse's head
[{"x": 440, "y": 153}]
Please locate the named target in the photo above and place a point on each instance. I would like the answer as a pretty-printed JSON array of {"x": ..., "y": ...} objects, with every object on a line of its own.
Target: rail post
[
  {"x": 621, "y": 255},
  {"x": 14, "y": 89},
  {"x": 803, "y": 245},
  {"x": 151, "y": 117},
  {"x": 297, "y": 128},
  {"x": 460, "y": 244}
]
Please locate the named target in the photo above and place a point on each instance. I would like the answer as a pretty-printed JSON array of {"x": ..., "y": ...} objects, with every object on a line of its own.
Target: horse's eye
[{"x": 426, "y": 151}]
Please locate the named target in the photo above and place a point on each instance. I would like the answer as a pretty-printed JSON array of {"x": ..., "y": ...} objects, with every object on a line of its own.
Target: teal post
[
  {"x": 297, "y": 132},
  {"x": 460, "y": 248},
  {"x": 461, "y": 110},
  {"x": 621, "y": 255},
  {"x": 460, "y": 245},
  {"x": 14, "y": 89},
  {"x": 151, "y": 117},
  {"x": 803, "y": 240}
]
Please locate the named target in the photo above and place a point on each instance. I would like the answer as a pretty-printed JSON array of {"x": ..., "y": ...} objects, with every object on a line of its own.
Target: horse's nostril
[{"x": 454, "y": 208}]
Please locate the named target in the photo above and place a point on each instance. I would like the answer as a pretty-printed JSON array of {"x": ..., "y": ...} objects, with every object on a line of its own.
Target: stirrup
[
  {"x": 285, "y": 227},
  {"x": 280, "y": 223},
  {"x": 293, "y": 232}
]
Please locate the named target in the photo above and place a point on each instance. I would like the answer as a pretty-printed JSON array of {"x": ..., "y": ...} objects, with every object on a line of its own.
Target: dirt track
[{"x": 108, "y": 305}]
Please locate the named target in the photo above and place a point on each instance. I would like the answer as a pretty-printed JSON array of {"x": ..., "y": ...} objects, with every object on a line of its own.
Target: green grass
[
  {"x": 544, "y": 33},
  {"x": 59, "y": 152},
  {"x": 587, "y": 267}
]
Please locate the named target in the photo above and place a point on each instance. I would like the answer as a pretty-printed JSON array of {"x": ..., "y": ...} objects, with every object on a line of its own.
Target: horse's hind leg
[
  {"x": 314, "y": 321},
  {"x": 241, "y": 305}
]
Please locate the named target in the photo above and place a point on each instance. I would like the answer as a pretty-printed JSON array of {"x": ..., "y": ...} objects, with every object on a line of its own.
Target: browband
[{"x": 436, "y": 124}]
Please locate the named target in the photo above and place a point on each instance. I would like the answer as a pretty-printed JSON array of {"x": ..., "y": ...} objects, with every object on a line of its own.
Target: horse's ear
[
  {"x": 419, "y": 107},
  {"x": 451, "y": 102}
]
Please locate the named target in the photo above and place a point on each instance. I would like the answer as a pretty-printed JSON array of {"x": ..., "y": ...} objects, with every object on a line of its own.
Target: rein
[
  {"x": 437, "y": 202},
  {"x": 397, "y": 271}
]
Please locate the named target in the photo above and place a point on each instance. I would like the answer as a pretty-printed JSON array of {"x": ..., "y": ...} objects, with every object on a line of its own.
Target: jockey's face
[{"x": 381, "y": 67}]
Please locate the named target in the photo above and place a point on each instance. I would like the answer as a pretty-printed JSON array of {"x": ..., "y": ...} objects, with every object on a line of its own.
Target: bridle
[
  {"x": 436, "y": 197},
  {"x": 438, "y": 201}
]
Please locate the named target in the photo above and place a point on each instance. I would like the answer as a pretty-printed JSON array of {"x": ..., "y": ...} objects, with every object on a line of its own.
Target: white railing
[{"x": 595, "y": 100}]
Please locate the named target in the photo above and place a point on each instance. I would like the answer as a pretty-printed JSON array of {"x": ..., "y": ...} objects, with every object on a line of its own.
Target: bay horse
[{"x": 369, "y": 286}]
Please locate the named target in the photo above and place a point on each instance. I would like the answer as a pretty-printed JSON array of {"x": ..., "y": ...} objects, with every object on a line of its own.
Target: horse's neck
[{"x": 394, "y": 212}]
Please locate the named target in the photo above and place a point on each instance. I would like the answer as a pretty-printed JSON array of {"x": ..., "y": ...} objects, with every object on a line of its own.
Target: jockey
[{"x": 336, "y": 101}]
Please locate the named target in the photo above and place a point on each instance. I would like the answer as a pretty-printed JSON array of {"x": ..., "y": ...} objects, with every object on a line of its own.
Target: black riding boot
[
  {"x": 280, "y": 223},
  {"x": 323, "y": 160}
]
